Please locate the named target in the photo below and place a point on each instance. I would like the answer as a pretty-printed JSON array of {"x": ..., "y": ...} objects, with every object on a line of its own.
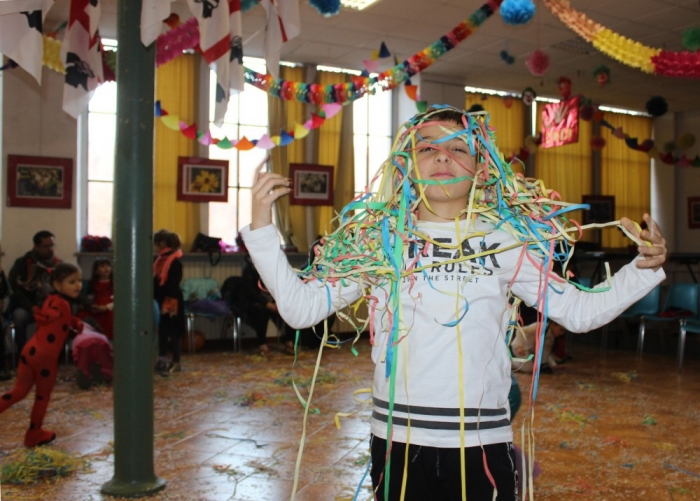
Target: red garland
[{"x": 677, "y": 64}]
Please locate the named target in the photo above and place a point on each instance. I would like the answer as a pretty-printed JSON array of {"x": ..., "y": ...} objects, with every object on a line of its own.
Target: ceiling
[{"x": 407, "y": 26}]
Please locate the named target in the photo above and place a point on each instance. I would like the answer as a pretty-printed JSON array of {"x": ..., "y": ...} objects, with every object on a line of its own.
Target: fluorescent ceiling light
[{"x": 356, "y": 4}]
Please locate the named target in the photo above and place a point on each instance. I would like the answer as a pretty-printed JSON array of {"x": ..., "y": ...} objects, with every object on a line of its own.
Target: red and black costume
[{"x": 39, "y": 363}]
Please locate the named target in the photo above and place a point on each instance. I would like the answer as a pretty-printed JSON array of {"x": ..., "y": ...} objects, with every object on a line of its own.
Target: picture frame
[
  {"x": 41, "y": 182},
  {"x": 202, "y": 179},
  {"x": 602, "y": 209},
  {"x": 312, "y": 184},
  {"x": 693, "y": 212}
]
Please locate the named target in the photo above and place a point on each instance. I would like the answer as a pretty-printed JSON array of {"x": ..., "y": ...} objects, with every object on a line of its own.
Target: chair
[
  {"x": 203, "y": 299},
  {"x": 681, "y": 305},
  {"x": 230, "y": 291},
  {"x": 687, "y": 325},
  {"x": 642, "y": 309}
]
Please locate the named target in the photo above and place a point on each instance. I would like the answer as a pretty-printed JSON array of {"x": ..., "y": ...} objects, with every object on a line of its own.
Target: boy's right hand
[{"x": 267, "y": 188}]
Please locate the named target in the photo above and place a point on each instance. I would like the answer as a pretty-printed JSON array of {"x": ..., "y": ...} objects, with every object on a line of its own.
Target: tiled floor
[{"x": 228, "y": 428}]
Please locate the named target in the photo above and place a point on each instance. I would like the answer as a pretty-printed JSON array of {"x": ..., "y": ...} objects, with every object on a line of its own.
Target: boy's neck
[{"x": 441, "y": 212}]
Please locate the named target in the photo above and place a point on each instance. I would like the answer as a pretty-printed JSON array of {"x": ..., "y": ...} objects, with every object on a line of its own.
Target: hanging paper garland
[
  {"x": 265, "y": 142},
  {"x": 624, "y": 50},
  {"x": 387, "y": 80}
]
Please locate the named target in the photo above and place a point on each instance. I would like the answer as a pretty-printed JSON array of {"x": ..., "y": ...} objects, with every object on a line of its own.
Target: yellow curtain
[
  {"x": 626, "y": 173},
  {"x": 329, "y": 138},
  {"x": 291, "y": 219},
  {"x": 508, "y": 122},
  {"x": 567, "y": 169},
  {"x": 176, "y": 87}
]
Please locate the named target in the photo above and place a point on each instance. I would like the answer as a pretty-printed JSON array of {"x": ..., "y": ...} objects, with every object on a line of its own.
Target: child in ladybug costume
[{"x": 39, "y": 358}]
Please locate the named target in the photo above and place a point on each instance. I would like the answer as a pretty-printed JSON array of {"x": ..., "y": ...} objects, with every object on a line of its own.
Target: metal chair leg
[
  {"x": 640, "y": 341},
  {"x": 11, "y": 326},
  {"x": 236, "y": 334},
  {"x": 190, "y": 333},
  {"x": 681, "y": 347}
]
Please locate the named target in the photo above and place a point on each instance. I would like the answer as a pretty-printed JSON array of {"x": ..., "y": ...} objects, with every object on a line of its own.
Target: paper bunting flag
[
  {"x": 371, "y": 65},
  {"x": 412, "y": 92},
  {"x": 245, "y": 144},
  {"x": 189, "y": 132},
  {"x": 300, "y": 132},
  {"x": 265, "y": 143},
  {"x": 332, "y": 109},
  {"x": 384, "y": 51},
  {"x": 285, "y": 138}
]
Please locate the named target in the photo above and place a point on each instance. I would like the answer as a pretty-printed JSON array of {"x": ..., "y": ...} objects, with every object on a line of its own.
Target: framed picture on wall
[
  {"x": 202, "y": 179},
  {"x": 311, "y": 184},
  {"x": 43, "y": 182},
  {"x": 602, "y": 209},
  {"x": 693, "y": 212}
]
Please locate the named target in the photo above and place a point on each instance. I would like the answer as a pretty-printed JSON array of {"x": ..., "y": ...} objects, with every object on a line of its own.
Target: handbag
[{"x": 205, "y": 243}]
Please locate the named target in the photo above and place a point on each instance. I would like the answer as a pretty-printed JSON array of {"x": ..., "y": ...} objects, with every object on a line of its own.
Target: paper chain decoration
[{"x": 624, "y": 50}]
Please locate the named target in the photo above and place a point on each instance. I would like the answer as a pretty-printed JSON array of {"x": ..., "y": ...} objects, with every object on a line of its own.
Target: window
[
  {"x": 246, "y": 116},
  {"x": 102, "y": 122},
  {"x": 372, "y": 136}
]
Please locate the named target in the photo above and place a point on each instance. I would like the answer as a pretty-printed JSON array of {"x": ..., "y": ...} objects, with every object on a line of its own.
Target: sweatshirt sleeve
[
  {"x": 301, "y": 304},
  {"x": 580, "y": 311}
]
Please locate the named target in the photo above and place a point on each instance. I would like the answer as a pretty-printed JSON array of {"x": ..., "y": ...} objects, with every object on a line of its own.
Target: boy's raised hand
[
  {"x": 654, "y": 254},
  {"x": 267, "y": 187}
]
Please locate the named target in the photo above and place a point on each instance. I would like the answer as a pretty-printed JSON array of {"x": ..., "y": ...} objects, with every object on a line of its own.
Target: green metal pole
[{"x": 134, "y": 474}]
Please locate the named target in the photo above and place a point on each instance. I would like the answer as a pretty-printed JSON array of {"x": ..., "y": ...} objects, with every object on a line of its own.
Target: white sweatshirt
[{"x": 428, "y": 385}]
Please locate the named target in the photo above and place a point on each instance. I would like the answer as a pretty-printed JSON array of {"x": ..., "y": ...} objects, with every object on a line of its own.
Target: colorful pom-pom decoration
[
  {"x": 326, "y": 8},
  {"x": 537, "y": 63},
  {"x": 597, "y": 143},
  {"x": 516, "y": 12},
  {"x": 602, "y": 74},
  {"x": 657, "y": 106},
  {"x": 691, "y": 38},
  {"x": 686, "y": 141},
  {"x": 506, "y": 57},
  {"x": 246, "y": 5}
]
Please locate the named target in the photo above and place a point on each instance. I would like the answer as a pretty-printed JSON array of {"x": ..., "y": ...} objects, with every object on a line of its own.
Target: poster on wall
[
  {"x": 560, "y": 123},
  {"x": 311, "y": 184},
  {"x": 42, "y": 182},
  {"x": 202, "y": 179}
]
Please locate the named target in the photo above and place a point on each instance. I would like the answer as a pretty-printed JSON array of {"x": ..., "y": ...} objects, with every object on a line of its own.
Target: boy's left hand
[{"x": 654, "y": 255}]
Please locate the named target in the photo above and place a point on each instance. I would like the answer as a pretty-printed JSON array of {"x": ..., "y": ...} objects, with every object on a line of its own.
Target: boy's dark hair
[
  {"x": 41, "y": 235},
  {"x": 94, "y": 278},
  {"x": 62, "y": 271},
  {"x": 167, "y": 237}
]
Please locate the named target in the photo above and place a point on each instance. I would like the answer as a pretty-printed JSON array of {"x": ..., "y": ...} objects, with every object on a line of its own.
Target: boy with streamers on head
[{"x": 443, "y": 250}]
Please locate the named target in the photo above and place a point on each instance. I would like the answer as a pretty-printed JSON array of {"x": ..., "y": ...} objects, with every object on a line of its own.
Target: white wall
[
  {"x": 35, "y": 124},
  {"x": 687, "y": 184}
]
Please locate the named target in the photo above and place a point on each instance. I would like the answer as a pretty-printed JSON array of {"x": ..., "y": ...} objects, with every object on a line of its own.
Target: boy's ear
[{"x": 480, "y": 173}]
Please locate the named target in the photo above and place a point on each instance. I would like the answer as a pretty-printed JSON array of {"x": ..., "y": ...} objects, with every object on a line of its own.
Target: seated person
[
  {"x": 29, "y": 281},
  {"x": 92, "y": 354},
  {"x": 524, "y": 345}
]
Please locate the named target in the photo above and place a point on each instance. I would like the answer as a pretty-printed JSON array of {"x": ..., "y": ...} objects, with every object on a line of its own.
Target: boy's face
[
  {"x": 444, "y": 160},
  {"x": 70, "y": 286}
]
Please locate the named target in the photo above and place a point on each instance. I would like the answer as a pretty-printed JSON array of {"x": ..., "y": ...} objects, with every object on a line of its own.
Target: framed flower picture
[
  {"x": 43, "y": 182},
  {"x": 311, "y": 184},
  {"x": 202, "y": 179}
]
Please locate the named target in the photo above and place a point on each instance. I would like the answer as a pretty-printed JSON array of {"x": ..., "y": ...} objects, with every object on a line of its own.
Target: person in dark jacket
[
  {"x": 30, "y": 284},
  {"x": 167, "y": 275},
  {"x": 4, "y": 292}
]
